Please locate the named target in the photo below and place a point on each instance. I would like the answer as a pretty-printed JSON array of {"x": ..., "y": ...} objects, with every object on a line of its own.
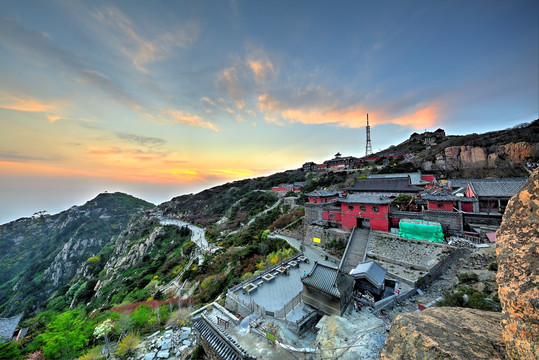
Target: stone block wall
[
  {"x": 325, "y": 235},
  {"x": 313, "y": 214},
  {"x": 451, "y": 219}
]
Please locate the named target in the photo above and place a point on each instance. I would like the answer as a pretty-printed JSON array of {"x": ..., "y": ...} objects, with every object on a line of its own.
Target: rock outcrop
[
  {"x": 445, "y": 333},
  {"x": 466, "y": 156},
  {"x": 518, "y": 272}
]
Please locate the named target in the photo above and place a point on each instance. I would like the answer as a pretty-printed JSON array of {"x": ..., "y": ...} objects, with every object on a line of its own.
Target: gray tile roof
[
  {"x": 324, "y": 278},
  {"x": 415, "y": 177},
  {"x": 322, "y": 193},
  {"x": 503, "y": 187},
  {"x": 226, "y": 347},
  {"x": 394, "y": 184},
  {"x": 441, "y": 197},
  {"x": 371, "y": 271},
  {"x": 8, "y": 327},
  {"x": 365, "y": 199}
]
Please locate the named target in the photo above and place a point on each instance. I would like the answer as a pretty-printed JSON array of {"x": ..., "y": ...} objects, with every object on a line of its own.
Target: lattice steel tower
[{"x": 368, "y": 146}]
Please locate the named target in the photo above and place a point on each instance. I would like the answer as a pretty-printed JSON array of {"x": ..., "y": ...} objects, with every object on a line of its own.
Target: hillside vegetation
[{"x": 30, "y": 269}]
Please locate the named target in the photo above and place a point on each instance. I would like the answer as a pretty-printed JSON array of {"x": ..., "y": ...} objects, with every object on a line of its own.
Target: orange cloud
[
  {"x": 267, "y": 104},
  {"x": 20, "y": 104},
  {"x": 421, "y": 119},
  {"x": 53, "y": 118},
  {"x": 353, "y": 117},
  {"x": 188, "y": 119},
  {"x": 104, "y": 151},
  {"x": 261, "y": 69}
]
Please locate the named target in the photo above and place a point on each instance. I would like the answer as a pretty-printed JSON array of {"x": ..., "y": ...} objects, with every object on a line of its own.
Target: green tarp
[{"x": 421, "y": 230}]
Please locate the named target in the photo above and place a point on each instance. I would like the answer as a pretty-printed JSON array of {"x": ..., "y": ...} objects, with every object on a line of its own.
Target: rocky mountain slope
[
  {"x": 496, "y": 153},
  {"x": 41, "y": 254}
]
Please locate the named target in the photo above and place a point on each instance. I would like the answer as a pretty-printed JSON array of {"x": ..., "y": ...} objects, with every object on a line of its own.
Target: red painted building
[
  {"x": 322, "y": 196},
  {"x": 358, "y": 210},
  {"x": 289, "y": 187},
  {"x": 441, "y": 202}
]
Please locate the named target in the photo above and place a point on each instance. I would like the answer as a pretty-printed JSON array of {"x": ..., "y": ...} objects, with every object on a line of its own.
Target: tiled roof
[
  {"x": 372, "y": 271},
  {"x": 415, "y": 177},
  {"x": 226, "y": 347},
  {"x": 365, "y": 199},
  {"x": 322, "y": 193},
  {"x": 324, "y": 278},
  {"x": 458, "y": 183},
  {"x": 503, "y": 187},
  {"x": 8, "y": 327},
  {"x": 300, "y": 183},
  {"x": 441, "y": 197},
  {"x": 384, "y": 185}
]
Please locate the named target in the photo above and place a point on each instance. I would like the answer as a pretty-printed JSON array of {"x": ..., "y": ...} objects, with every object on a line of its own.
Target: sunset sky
[{"x": 163, "y": 98}]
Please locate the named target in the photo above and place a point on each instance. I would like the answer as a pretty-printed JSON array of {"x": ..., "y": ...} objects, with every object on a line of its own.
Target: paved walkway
[{"x": 197, "y": 236}]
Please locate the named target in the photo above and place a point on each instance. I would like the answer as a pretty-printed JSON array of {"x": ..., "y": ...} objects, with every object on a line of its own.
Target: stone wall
[
  {"x": 453, "y": 220},
  {"x": 313, "y": 214},
  {"x": 325, "y": 235}
]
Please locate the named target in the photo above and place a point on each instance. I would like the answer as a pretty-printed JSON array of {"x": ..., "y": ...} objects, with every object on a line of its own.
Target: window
[
  {"x": 375, "y": 209},
  {"x": 332, "y": 216},
  {"x": 351, "y": 207},
  {"x": 363, "y": 208},
  {"x": 440, "y": 205}
]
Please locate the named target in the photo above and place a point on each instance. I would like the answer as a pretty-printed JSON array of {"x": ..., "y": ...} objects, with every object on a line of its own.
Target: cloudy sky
[{"x": 164, "y": 98}]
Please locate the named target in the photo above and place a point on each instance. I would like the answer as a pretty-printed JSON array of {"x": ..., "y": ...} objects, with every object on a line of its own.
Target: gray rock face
[
  {"x": 149, "y": 356},
  {"x": 163, "y": 354}
]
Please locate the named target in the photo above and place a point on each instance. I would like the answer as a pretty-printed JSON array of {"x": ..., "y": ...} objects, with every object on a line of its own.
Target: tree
[{"x": 102, "y": 331}]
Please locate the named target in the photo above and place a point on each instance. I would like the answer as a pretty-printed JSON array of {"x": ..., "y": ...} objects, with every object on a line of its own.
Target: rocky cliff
[
  {"x": 40, "y": 255},
  {"x": 445, "y": 333},
  {"x": 518, "y": 272},
  {"x": 466, "y": 156}
]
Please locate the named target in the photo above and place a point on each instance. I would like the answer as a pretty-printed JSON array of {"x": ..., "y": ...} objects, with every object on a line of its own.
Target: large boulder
[
  {"x": 445, "y": 333},
  {"x": 518, "y": 272}
]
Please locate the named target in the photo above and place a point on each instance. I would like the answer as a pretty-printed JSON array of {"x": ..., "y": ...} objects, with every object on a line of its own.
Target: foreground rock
[
  {"x": 445, "y": 333},
  {"x": 518, "y": 272}
]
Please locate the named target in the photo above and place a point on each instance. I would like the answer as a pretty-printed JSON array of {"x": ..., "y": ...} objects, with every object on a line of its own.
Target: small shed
[
  {"x": 327, "y": 289},
  {"x": 369, "y": 276}
]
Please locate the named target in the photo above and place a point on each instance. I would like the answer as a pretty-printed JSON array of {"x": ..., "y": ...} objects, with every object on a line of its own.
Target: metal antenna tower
[{"x": 368, "y": 145}]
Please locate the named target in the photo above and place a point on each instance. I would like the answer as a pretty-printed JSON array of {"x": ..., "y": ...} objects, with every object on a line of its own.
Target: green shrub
[
  {"x": 127, "y": 346},
  {"x": 9, "y": 350},
  {"x": 93, "y": 354},
  {"x": 94, "y": 260},
  {"x": 493, "y": 266},
  {"x": 467, "y": 278},
  {"x": 141, "y": 317}
]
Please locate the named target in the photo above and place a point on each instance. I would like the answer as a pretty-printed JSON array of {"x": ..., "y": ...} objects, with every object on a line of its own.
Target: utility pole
[{"x": 368, "y": 146}]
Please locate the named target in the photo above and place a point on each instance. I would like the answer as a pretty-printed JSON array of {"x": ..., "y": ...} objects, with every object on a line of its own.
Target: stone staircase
[{"x": 356, "y": 250}]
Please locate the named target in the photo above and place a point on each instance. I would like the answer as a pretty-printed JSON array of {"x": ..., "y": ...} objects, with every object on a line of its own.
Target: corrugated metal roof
[{"x": 372, "y": 271}]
